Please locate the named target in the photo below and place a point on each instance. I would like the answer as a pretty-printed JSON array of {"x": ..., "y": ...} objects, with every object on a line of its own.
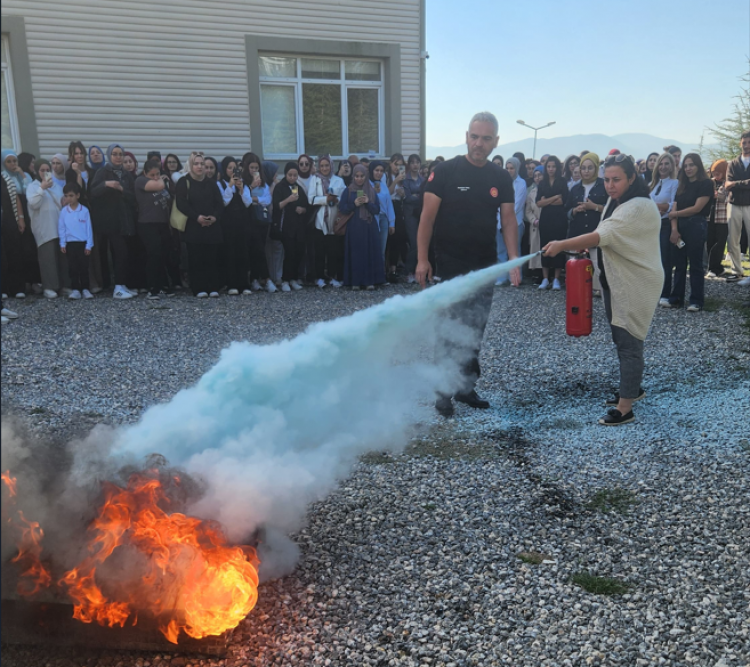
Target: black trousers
[
  {"x": 78, "y": 265},
  {"x": 294, "y": 254},
  {"x": 329, "y": 256},
  {"x": 13, "y": 277},
  {"x": 716, "y": 244},
  {"x": 157, "y": 241},
  {"x": 397, "y": 242},
  {"x": 257, "y": 245},
  {"x": 203, "y": 267},
  {"x": 473, "y": 313},
  {"x": 236, "y": 255},
  {"x": 137, "y": 275},
  {"x": 119, "y": 246}
]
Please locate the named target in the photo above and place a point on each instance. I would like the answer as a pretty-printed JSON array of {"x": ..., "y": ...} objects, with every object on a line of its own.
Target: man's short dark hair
[
  {"x": 745, "y": 135},
  {"x": 72, "y": 187}
]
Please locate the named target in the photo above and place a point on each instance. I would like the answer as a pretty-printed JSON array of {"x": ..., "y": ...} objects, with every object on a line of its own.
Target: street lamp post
[{"x": 536, "y": 129}]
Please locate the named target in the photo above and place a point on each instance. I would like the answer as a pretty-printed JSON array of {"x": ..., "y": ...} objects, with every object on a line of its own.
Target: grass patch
[
  {"x": 430, "y": 507},
  {"x": 37, "y": 411},
  {"x": 612, "y": 500},
  {"x": 599, "y": 585},
  {"x": 376, "y": 458},
  {"x": 712, "y": 304},
  {"x": 533, "y": 557}
]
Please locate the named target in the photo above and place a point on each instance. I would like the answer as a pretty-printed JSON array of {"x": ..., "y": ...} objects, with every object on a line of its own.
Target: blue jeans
[
  {"x": 667, "y": 262},
  {"x": 383, "y": 228},
  {"x": 693, "y": 232},
  {"x": 502, "y": 251}
]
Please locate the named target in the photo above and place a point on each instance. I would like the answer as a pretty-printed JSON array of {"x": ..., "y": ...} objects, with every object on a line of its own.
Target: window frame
[
  {"x": 344, "y": 84},
  {"x": 389, "y": 53}
]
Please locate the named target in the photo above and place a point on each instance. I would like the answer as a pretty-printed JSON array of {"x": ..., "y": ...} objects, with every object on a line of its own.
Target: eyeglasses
[{"x": 616, "y": 159}]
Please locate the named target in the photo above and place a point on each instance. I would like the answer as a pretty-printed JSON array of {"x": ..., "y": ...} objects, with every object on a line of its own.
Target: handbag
[
  {"x": 177, "y": 218},
  {"x": 262, "y": 214},
  {"x": 339, "y": 224}
]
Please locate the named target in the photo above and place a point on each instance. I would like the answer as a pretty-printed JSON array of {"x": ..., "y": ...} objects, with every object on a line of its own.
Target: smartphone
[
  {"x": 295, "y": 189},
  {"x": 360, "y": 193},
  {"x": 401, "y": 169},
  {"x": 238, "y": 172},
  {"x": 48, "y": 176}
]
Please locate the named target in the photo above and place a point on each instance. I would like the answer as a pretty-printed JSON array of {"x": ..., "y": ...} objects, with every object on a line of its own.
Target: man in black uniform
[{"x": 461, "y": 201}]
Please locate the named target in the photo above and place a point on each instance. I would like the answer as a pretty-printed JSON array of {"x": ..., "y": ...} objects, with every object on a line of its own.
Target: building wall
[{"x": 172, "y": 75}]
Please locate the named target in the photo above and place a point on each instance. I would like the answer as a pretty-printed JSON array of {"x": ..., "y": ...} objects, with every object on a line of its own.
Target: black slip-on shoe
[
  {"x": 612, "y": 402},
  {"x": 615, "y": 418},
  {"x": 444, "y": 406},
  {"x": 473, "y": 400},
  {"x": 732, "y": 278}
]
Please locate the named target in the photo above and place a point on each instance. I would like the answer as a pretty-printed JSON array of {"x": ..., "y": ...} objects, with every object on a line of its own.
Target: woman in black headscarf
[
  {"x": 112, "y": 196},
  {"x": 363, "y": 258},
  {"x": 291, "y": 211}
]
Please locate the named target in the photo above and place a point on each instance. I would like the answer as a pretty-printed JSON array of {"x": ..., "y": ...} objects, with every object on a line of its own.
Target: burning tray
[{"x": 52, "y": 623}]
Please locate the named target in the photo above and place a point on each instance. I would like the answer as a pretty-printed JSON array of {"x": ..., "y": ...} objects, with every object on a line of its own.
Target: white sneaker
[
  {"x": 202, "y": 295},
  {"x": 664, "y": 303},
  {"x": 4, "y": 320},
  {"x": 20, "y": 295},
  {"x": 214, "y": 295},
  {"x": 5, "y": 296},
  {"x": 255, "y": 286},
  {"x": 320, "y": 283},
  {"x": 369, "y": 288},
  {"x": 50, "y": 294},
  {"x": 134, "y": 292},
  {"x": 411, "y": 279},
  {"x": 121, "y": 292},
  {"x": 247, "y": 292},
  {"x": 270, "y": 287},
  {"x": 75, "y": 295},
  {"x": 87, "y": 294},
  {"x": 694, "y": 308},
  {"x": 285, "y": 287},
  {"x": 335, "y": 283},
  {"x": 9, "y": 314},
  {"x": 544, "y": 284},
  {"x": 744, "y": 282},
  {"x": 355, "y": 288},
  {"x": 295, "y": 285},
  {"x": 232, "y": 292},
  {"x": 556, "y": 284}
]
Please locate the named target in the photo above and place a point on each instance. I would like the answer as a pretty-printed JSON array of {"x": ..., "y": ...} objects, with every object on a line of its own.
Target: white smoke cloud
[{"x": 272, "y": 428}]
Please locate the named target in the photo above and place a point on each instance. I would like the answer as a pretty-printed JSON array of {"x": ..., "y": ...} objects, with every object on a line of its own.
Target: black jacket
[
  {"x": 196, "y": 198},
  {"x": 583, "y": 223},
  {"x": 112, "y": 211},
  {"x": 740, "y": 193}
]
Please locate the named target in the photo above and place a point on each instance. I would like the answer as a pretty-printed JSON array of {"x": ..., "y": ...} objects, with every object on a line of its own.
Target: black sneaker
[
  {"x": 612, "y": 402},
  {"x": 473, "y": 400},
  {"x": 167, "y": 291},
  {"x": 153, "y": 295},
  {"x": 732, "y": 278},
  {"x": 444, "y": 406},
  {"x": 615, "y": 418}
]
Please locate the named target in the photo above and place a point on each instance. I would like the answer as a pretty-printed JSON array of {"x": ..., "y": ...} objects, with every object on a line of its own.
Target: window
[
  {"x": 9, "y": 116},
  {"x": 320, "y": 105}
]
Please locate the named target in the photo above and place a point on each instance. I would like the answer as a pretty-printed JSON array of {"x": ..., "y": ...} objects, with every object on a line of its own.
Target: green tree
[{"x": 726, "y": 134}]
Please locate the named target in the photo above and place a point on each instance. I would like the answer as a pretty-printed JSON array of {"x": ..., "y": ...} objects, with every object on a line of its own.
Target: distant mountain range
[{"x": 635, "y": 144}]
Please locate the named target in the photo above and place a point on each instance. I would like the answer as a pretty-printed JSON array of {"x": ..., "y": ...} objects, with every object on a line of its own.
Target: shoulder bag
[{"x": 177, "y": 218}]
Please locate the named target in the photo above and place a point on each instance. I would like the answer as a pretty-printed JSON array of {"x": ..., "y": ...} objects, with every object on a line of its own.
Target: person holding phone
[
  {"x": 553, "y": 221},
  {"x": 260, "y": 222},
  {"x": 290, "y": 212},
  {"x": 78, "y": 171},
  {"x": 235, "y": 226},
  {"x": 363, "y": 265},
  {"x": 662, "y": 190},
  {"x": 45, "y": 202},
  {"x": 201, "y": 201},
  {"x": 386, "y": 218}
]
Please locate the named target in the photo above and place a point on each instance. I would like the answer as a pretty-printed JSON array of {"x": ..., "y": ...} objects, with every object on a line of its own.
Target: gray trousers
[
  {"x": 275, "y": 259},
  {"x": 53, "y": 265},
  {"x": 630, "y": 353}
]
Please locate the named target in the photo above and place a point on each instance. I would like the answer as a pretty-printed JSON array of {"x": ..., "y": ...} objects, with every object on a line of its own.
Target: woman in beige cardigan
[
  {"x": 531, "y": 216},
  {"x": 631, "y": 274}
]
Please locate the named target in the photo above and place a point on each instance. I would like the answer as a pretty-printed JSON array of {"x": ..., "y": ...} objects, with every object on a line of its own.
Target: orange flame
[
  {"x": 192, "y": 577},
  {"x": 35, "y": 574},
  {"x": 10, "y": 482}
]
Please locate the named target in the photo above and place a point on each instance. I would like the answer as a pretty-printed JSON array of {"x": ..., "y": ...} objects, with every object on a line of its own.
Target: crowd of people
[{"x": 93, "y": 220}]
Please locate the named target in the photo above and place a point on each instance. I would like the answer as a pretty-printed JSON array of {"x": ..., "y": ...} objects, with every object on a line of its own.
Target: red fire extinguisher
[{"x": 579, "y": 281}]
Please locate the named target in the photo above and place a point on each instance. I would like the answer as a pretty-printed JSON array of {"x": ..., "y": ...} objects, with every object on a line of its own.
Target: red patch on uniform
[
  {"x": 432, "y": 175},
  {"x": 494, "y": 192}
]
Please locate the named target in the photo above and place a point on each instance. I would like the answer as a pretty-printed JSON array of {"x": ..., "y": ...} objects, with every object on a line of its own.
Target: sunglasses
[
  {"x": 304, "y": 164},
  {"x": 616, "y": 159}
]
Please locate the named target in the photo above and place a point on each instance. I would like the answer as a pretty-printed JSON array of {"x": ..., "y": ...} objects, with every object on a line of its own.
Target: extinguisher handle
[{"x": 578, "y": 254}]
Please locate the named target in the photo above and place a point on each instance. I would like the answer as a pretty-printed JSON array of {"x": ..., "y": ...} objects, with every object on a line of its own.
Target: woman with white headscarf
[
  {"x": 201, "y": 201},
  {"x": 45, "y": 197},
  {"x": 112, "y": 196}
]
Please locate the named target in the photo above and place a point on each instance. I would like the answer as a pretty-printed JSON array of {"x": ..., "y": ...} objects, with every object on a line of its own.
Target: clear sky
[{"x": 663, "y": 67}]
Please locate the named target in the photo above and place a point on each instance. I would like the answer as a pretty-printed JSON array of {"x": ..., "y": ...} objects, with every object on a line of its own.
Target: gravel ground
[{"x": 414, "y": 559}]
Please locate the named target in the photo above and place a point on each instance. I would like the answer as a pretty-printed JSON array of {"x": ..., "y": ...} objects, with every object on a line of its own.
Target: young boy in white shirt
[{"x": 76, "y": 240}]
